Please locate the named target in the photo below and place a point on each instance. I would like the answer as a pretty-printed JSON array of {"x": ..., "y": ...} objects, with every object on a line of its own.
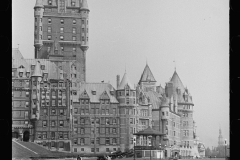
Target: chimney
[{"x": 118, "y": 80}]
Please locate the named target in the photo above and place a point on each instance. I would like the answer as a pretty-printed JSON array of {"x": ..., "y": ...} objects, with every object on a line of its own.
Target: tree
[{"x": 208, "y": 152}]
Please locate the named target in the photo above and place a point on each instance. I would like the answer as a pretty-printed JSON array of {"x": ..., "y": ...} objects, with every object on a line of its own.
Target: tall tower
[
  {"x": 38, "y": 26},
  {"x": 220, "y": 138},
  {"x": 126, "y": 95},
  {"x": 61, "y": 32}
]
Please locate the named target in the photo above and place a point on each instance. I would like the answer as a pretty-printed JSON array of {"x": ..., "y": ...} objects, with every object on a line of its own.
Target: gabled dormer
[
  {"x": 84, "y": 95},
  {"x": 104, "y": 96}
]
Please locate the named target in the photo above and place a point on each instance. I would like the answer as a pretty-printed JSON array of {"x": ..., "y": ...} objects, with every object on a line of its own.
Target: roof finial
[
  {"x": 174, "y": 65},
  {"x": 125, "y": 68},
  {"x": 146, "y": 62}
]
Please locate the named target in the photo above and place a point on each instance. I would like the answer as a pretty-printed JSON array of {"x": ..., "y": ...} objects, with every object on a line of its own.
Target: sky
[{"x": 127, "y": 34}]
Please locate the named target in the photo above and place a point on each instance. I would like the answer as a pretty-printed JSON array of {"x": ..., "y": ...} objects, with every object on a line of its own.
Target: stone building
[
  {"x": 47, "y": 102},
  {"x": 61, "y": 31},
  {"x": 21, "y": 77},
  {"x": 96, "y": 121}
]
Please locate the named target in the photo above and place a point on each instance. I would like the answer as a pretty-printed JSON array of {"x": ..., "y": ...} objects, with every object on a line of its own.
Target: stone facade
[{"x": 61, "y": 31}]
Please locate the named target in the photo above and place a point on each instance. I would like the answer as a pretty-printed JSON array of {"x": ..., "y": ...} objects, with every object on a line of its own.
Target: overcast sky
[{"x": 128, "y": 33}]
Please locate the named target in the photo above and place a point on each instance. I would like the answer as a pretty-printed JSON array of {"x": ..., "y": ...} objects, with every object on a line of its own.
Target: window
[
  {"x": 74, "y": 30},
  {"x": 107, "y": 130},
  {"x": 92, "y": 141},
  {"x": 82, "y": 29},
  {"x": 74, "y": 141},
  {"x": 166, "y": 113},
  {"x": 82, "y": 141},
  {"x": 127, "y": 100},
  {"x": 49, "y": 20},
  {"x": 44, "y": 111},
  {"x": 74, "y": 21},
  {"x": 75, "y": 121},
  {"x": 49, "y": 2},
  {"x": 75, "y": 110},
  {"x": 75, "y": 149},
  {"x": 107, "y": 121},
  {"x": 97, "y": 130},
  {"x": 87, "y": 30},
  {"x": 82, "y": 120},
  {"x": 61, "y": 38},
  {"x": 97, "y": 141},
  {"x": 61, "y": 112},
  {"x": 107, "y": 143},
  {"x": 62, "y": 21},
  {"x": 53, "y": 111},
  {"x": 39, "y": 135},
  {"x": 73, "y": 3},
  {"x": 61, "y": 30},
  {"x": 74, "y": 38},
  {"x": 114, "y": 130},
  {"x": 60, "y": 135},
  {"x": 53, "y": 123},
  {"x": 44, "y": 123},
  {"x": 92, "y": 149},
  {"x": 114, "y": 121},
  {"x": 103, "y": 111},
  {"x": 49, "y": 37},
  {"x": 82, "y": 131},
  {"x": 97, "y": 121},
  {"x": 74, "y": 49},
  {"x": 61, "y": 123},
  {"x": 107, "y": 111},
  {"x": 53, "y": 102},
  {"x": 40, "y": 28},
  {"x": 44, "y": 135},
  {"x": 42, "y": 67},
  {"x": 52, "y": 135},
  {"x": 163, "y": 113},
  {"x": 82, "y": 38},
  {"x": 114, "y": 141},
  {"x": 20, "y": 74},
  {"x": 82, "y": 21},
  {"x": 107, "y": 150},
  {"x": 131, "y": 121}
]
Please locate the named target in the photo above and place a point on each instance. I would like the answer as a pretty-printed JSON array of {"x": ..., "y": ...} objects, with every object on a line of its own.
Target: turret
[
  {"x": 36, "y": 78},
  {"x": 84, "y": 24},
  {"x": 38, "y": 27}
]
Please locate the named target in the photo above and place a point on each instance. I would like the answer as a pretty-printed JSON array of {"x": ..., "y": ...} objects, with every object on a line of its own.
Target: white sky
[{"x": 129, "y": 32}]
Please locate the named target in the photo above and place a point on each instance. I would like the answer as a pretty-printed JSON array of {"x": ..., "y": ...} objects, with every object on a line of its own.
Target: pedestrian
[
  {"x": 108, "y": 158},
  {"x": 79, "y": 158}
]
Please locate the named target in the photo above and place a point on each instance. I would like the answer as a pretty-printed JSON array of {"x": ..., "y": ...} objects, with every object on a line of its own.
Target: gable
[
  {"x": 104, "y": 95},
  {"x": 84, "y": 95}
]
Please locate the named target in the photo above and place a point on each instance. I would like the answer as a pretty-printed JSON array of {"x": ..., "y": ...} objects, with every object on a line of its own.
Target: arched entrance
[
  {"x": 26, "y": 136},
  {"x": 15, "y": 134}
]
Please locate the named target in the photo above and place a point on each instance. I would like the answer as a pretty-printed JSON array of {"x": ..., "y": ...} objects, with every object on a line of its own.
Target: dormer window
[
  {"x": 45, "y": 75},
  {"x": 94, "y": 92},
  {"x": 42, "y": 67},
  {"x": 32, "y": 67},
  {"x": 20, "y": 74},
  {"x": 112, "y": 92},
  {"x": 27, "y": 74}
]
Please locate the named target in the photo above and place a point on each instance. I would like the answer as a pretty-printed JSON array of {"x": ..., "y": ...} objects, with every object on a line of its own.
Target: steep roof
[
  {"x": 50, "y": 67},
  {"x": 177, "y": 82},
  {"x": 100, "y": 88},
  {"x": 16, "y": 54},
  {"x": 125, "y": 81},
  {"x": 147, "y": 75},
  {"x": 37, "y": 70},
  {"x": 154, "y": 99},
  {"x": 39, "y": 3}
]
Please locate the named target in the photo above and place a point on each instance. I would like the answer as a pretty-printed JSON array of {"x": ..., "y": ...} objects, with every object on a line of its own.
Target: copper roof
[
  {"x": 125, "y": 81},
  {"x": 100, "y": 88},
  {"x": 149, "y": 131},
  {"x": 154, "y": 99},
  {"x": 147, "y": 75},
  {"x": 177, "y": 82}
]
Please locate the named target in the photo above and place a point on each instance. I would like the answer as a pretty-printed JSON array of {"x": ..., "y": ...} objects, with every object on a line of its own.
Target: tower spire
[{"x": 174, "y": 65}]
